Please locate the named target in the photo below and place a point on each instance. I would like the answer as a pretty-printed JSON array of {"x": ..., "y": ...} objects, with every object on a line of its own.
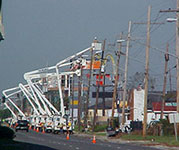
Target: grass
[
  {"x": 166, "y": 140},
  {"x": 76, "y": 128},
  {"x": 98, "y": 128}
]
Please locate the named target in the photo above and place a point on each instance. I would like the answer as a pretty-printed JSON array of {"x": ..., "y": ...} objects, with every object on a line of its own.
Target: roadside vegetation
[
  {"x": 154, "y": 133},
  {"x": 5, "y": 113},
  {"x": 165, "y": 140},
  {"x": 160, "y": 132},
  {"x": 98, "y": 128}
]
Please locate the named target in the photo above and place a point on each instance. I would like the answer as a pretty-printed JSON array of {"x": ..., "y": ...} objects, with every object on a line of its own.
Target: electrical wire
[{"x": 157, "y": 49}]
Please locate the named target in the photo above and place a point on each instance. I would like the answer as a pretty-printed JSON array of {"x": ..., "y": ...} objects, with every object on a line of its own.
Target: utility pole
[
  {"x": 125, "y": 73},
  {"x": 98, "y": 86},
  {"x": 170, "y": 80},
  {"x": 104, "y": 81},
  {"x": 79, "y": 96},
  {"x": 88, "y": 92},
  {"x": 72, "y": 99},
  {"x": 116, "y": 80},
  {"x": 146, "y": 72},
  {"x": 177, "y": 52},
  {"x": 165, "y": 81}
]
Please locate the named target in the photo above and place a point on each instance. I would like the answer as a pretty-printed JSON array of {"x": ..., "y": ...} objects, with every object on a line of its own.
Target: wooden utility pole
[
  {"x": 98, "y": 86},
  {"x": 116, "y": 80},
  {"x": 104, "y": 81},
  {"x": 165, "y": 81},
  {"x": 125, "y": 73},
  {"x": 79, "y": 97},
  {"x": 72, "y": 99},
  {"x": 177, "y": 54},
  {"x": 170, "y": 80},
  {"x": 146, "y": 72},
  {"x": 88, "y": 92}
]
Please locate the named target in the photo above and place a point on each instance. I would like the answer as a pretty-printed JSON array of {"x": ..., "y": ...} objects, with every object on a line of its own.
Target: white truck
[
  {"x": 57, "y": 126},
  {"x": 49, "y": 124}
]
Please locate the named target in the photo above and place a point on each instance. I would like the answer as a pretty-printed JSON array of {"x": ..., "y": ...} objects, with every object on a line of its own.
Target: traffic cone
[
  {"x": 94, "y": 139},
  {"x": 34, "y": 128},
  {"x": 43, "y": 130},
  {"x": 30, "y": 127},
  {"x": 37, "y": 130},
  {"x": 68, "y": 137}
]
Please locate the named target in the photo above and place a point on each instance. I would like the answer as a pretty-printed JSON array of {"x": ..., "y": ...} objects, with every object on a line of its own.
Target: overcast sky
[{"x": 41, "y": 32}]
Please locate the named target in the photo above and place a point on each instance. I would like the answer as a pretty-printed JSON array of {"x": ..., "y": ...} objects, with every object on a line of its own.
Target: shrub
[
  {"x": 4, "y": 114},
  {"x": 6, "y": 133},
  {"x": 100, "y": 128},
  {"x": 168, "y": 128},
  {"x": 76, "y": 128},
  {"x": 115, "y": 122},
  {"x": 163, "y": 124}
]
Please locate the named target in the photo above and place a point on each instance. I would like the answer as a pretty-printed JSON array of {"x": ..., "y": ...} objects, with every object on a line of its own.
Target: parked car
[{"x": 22, "y": 125}]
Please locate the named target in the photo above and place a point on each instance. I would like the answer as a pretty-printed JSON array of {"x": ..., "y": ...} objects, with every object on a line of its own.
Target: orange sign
[{"x": 95, "y": 65}]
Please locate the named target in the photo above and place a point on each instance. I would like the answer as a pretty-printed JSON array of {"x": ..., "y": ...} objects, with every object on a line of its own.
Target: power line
[{"x": 157, "y": 49}]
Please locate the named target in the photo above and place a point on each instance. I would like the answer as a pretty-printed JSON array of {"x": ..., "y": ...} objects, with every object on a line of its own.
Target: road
[{"x": 46, "y": 141}]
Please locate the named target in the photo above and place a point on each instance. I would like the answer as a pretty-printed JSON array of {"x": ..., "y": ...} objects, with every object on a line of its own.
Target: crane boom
[
  {"x": 14, "y": 115},
  {"x": 25, "y": 93},
  {"x": 4, "y": 93}
]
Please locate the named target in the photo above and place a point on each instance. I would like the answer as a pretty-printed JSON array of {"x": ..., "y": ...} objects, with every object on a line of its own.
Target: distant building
[
  {"x": 154, "y": 103},
  {"x": 136, "y": 105}
]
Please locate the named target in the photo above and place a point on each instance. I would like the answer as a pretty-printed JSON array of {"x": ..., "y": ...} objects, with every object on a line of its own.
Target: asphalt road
[{"x": 48, "y": 141}]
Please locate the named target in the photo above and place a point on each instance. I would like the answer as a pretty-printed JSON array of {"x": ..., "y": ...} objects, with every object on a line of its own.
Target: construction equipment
[{"x": 43, "y": 114}]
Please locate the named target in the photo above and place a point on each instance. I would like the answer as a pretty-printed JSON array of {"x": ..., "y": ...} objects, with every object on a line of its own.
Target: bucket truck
[
  {"x": 14, "y": 118},
  {"x": 37, "y": 93},
  {"x": 35, "y": 117},
  {"x": 8, "y": 97}
]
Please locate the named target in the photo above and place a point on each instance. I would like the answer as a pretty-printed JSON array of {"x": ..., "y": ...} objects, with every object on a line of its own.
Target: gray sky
[{"x": 41, "y": 32}]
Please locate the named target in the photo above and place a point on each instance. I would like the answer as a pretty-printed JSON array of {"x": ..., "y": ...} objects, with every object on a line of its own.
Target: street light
[
  {"x": 120, "y": 41},
  {"x": 171, "y": 19},
  {"x": 98, "y": 52}
]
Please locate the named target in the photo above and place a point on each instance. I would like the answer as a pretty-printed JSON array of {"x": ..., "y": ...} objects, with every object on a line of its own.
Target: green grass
[
  {"x": 100, "y": 128},
  {"x": 101, "y": 133},
  {"x": 76, "y": 128},
  {"x": 168, "y": 140}
]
